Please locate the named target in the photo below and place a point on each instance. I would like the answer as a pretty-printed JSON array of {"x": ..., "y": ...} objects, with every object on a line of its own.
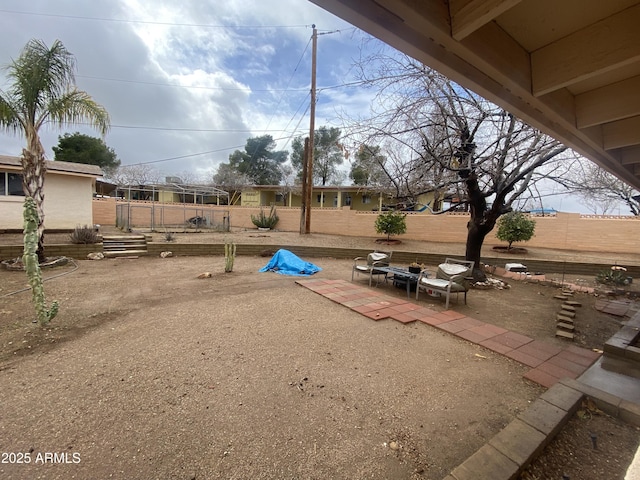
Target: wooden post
[
  {"x": 303, "y": 203},
  {"x": 312, "y": 121}
]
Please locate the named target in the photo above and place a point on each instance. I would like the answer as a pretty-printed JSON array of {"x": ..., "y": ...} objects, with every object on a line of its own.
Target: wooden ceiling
[{"x": 568, "y": 67}]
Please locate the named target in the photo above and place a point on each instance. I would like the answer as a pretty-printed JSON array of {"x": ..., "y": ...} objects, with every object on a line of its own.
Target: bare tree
[
  {"x": 600, "y": 191},
  {"x": 137, "y": 175},
  {"x": 453, "y": 140},
  {"x": 230, "y": 179}
]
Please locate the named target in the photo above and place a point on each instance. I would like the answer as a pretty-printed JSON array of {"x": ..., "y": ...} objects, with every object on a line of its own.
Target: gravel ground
[{"x": 149, "y": 372}]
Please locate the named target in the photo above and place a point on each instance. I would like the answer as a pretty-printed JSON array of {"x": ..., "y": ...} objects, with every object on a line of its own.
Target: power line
[
  {"x": 247, "y": 89},
  {"x": 174, "y": 129},
  {"x": 193, "y": 154},
  {"x": 356, "y": 83},
  {"x": 149, "y": 22}
]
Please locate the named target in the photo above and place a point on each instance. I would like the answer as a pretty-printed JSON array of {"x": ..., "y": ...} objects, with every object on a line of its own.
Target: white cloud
[{"x": 177, "y": 66}]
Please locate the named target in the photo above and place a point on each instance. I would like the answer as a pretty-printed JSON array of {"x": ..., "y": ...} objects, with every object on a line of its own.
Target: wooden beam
[
  {"x": 598, "y": 48},
  {"x": 623, "y": 133},
  {"x": 475, "y": 14},
  {"x": 608, "y": 104},
  {"x": 630, "y": 155},
  {"x": 421, "y": 29}
]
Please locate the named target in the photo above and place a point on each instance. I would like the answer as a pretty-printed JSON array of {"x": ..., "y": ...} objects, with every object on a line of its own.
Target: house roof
[
  {"x": 332, "y": 188},
  {"x": 57, "y": 166},
  {"x": 570, "y": 68}
]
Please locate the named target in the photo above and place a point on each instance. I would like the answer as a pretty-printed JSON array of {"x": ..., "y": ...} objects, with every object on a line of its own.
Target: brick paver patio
[{"x": 549, "y": 363}]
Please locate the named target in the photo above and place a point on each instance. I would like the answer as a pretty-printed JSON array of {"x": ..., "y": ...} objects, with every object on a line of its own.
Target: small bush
[
  {"x": 265, "y": 221},
  {"x": 391, "y": 223},
  {"x": 84, "y": 235},
  {"x": 515, "y": 227},
  {"x": 612, "y": 277},
  {"x": 169, "y": 236}
]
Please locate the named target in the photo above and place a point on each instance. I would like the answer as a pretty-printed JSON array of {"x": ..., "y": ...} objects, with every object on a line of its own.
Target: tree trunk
[
  {"x": 480, "y": 224},
  {"x": 475, "y": 239},
  {"x": 33, "y": 172}
]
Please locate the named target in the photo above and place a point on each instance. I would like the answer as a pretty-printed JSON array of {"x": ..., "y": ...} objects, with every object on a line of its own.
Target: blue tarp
[{"x": 286, "y": 263}]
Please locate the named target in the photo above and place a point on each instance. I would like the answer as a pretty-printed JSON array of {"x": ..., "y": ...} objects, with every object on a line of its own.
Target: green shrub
[
  {"x": 612, "y": 277},
  {"x": 515, "y": 227},
  {"x": 391, "y": 223},
  {"x": 84, "y": 235},
  {"x": 265, "y": 221}
]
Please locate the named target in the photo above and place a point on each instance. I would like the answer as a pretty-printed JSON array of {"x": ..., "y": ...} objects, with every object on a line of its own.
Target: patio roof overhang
[{"x": 570, "y": 68}]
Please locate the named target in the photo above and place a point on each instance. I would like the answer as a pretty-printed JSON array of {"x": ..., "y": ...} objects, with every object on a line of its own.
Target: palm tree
[{"x": 42, "y": 91}]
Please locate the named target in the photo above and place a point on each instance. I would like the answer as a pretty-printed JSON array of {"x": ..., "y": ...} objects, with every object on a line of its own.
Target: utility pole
[
  {"x": 303, "y": 204},
  {"x": 312, "y": 126}
]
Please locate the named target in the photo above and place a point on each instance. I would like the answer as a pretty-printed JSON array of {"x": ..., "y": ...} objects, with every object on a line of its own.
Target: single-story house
[
  {"x": 354, "y": 196},
  {"x": 68, "y": 193}
]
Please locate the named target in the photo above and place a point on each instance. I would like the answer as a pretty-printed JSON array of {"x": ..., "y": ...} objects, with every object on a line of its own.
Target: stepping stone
[
  {"x": 563, "y": 334},
  {"x": 568, "y": 308},
  {"x": 564, "y": 318},
  {"x": 566, "y": 326},
  {"x": 573, "y": 303},
  {"x": 568, "y": 293},
  {"x": 561, "y": 297},
  {"x": 566, "y": 313}
]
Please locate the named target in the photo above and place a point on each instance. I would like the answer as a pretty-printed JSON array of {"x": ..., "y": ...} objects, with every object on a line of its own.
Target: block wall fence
[{"x": 565, "y": 231}]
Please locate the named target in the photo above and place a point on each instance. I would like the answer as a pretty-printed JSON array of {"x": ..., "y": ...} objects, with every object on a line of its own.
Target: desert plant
[
  {"x": 169, "y": 236},
  {"x": 612, "y": 277},
  {"x": 30, "y": 261},
  {"x": 229, "y": 256},
  {"x": 515, "y": 227},
  {"x": 265, "y": 221},
  {"x": 391, "y": 223},
  {"x": 84, "y": 235}
]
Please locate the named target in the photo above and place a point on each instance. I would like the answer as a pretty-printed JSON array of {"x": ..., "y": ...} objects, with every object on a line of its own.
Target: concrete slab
[{"x": 615, "y": 376}]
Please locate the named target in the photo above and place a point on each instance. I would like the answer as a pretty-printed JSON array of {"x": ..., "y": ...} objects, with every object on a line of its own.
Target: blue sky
[
  {"x": 186, "y": 83},
  {"x": 185, "y": 78}
]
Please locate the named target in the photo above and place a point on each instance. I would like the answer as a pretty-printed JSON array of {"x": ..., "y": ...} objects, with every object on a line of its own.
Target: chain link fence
[{"x": 170, "y": 218}]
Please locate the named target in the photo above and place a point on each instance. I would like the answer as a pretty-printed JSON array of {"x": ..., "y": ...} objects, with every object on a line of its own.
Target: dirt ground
[{"x": 150, "y": 372}]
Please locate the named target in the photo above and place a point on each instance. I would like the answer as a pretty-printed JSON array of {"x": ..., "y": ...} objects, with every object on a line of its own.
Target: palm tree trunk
[{"x": 33, "y": 172}]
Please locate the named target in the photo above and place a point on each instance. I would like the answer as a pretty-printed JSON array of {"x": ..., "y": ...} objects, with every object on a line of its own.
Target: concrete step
[
  {"x": 564, "y": 318},
  {"x": 568, "y": 308},
  {"x": 119, "y": 238},
  {"x": 127, "y": 253},
  {"x": 565, "y": 326},
  {"x": 566, "y": 313},
  {"x": 563, "y": 334},
  {"x": 124, "y": 246}
]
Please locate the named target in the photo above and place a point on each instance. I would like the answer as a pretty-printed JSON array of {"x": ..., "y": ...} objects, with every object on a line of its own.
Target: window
[
  {"x": 366, "y": 199},
  {"x": 347, "y": 200},
  {"x": 11, "y": 184},
  {"x": 279, "y": 197}
]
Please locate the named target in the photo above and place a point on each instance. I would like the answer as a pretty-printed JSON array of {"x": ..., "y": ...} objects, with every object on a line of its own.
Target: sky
[{"x": 187, "y": 83}]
